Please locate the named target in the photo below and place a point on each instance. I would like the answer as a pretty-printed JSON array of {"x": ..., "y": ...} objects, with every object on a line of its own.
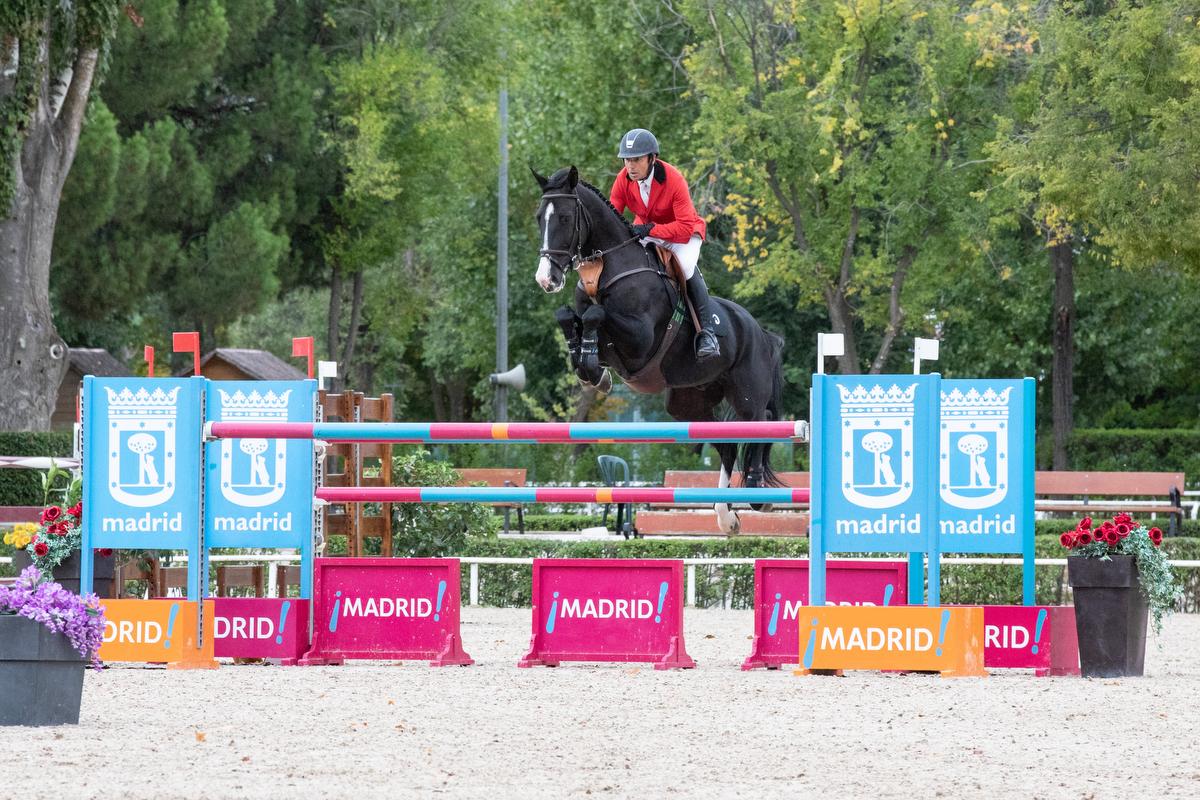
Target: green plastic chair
[{"x": 615, "y": 472}]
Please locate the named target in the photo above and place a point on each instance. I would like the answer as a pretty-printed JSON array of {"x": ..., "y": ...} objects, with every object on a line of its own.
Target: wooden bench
[
  {"x": 1097, "y": 493},
  {"x": 497, "y": 477},
  {"x": 686, "y": 519},
  {"x": 241, "y": 577},
  {"x": 172, "y": 578},
  {"x": 11, "y": 515},
  {"x": 286, "y": 576},
  {"x": 134, "y": 571}
]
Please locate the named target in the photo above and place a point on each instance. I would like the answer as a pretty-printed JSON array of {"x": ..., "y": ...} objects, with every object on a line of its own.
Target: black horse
[{"x": 636, "y": 326}]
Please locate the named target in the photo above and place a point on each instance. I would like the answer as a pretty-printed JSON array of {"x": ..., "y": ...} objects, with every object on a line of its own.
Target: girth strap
[
  {"x": 675, "y": 271},
  {"x": 591, "y": 275}
]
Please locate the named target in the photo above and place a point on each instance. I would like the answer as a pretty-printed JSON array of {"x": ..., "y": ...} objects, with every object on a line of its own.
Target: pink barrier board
[
  {"x": 387, "y": 608},
  {"x": 260, "y": 627},
  {"x": 598, "y": 609},
  {"x": 781, "y": 588},
  {"x": 1041, "y": 638}
]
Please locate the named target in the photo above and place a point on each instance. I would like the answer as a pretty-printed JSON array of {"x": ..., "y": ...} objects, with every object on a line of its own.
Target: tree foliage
[
  {"x": 203, "y": 174},
  {"x": 849, "y": 133},
  {"x": 262, "y": 169}
]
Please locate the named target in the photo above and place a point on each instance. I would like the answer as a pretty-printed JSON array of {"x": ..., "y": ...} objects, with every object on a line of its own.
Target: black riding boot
[{"x": 706, "y": 340}]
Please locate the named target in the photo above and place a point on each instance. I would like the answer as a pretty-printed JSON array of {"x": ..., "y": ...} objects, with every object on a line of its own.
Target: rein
[{"x": 574, "y": 250}]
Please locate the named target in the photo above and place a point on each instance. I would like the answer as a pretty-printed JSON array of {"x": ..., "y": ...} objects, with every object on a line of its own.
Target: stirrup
[{"x": 703, "y": 351}]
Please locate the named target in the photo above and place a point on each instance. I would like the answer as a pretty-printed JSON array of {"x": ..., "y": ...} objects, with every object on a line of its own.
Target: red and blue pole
[
  {"x": 517, "y": 432},
  {"x": 555, "y": 494}
]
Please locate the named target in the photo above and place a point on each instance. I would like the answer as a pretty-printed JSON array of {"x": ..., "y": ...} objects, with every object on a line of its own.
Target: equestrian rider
[{"x": 657, "y": 194}]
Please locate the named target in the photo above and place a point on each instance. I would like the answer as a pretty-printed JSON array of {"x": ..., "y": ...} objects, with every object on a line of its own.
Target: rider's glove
[{"x": 643, "y": 230}]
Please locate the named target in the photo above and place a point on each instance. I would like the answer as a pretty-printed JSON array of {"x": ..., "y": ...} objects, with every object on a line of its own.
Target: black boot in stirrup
[{"x": 706, "y": 339}]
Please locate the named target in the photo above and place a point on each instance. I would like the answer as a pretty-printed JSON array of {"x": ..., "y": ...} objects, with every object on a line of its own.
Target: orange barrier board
[
  {"x": 941, "y": 639},
  {"x": 158, "y": 631}
]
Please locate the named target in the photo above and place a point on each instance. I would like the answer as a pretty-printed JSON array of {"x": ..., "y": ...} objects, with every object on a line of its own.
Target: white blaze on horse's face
[
  {"x": 543, "y": 275},
  {"x": 545, "y": 271}
]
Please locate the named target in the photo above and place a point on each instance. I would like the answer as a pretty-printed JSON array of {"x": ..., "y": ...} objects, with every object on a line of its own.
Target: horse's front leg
[
  {"x": 589, "y": 346},
  {"x": 568, "y": 321}
]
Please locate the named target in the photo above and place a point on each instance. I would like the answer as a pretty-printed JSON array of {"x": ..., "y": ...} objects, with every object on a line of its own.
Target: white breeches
[{"x": 687, "y": 252}]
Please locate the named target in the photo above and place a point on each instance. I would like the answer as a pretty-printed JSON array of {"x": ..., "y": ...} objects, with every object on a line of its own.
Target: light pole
[{"x": 502, "y": 262}]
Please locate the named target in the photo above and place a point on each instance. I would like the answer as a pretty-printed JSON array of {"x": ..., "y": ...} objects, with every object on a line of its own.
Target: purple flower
[{"x": 79, "y": 618}]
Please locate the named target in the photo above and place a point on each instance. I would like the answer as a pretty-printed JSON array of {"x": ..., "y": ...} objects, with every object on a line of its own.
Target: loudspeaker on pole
[{"x": 512, "y": 379}]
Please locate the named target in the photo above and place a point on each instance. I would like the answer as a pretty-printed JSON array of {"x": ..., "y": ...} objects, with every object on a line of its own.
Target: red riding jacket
[{"x": 671, "y": 210}]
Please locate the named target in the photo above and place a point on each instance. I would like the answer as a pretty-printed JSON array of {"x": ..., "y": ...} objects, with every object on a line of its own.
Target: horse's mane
[
  {"x": 558, "y": 181},
  {"x": 607, "y": 202}
]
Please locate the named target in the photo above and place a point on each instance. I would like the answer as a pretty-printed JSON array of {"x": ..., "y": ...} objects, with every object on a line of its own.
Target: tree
[
  {"x": 413, "y": 238},
  {"x": 848, "y": 135},
  {"x": 1095, "y": 152},
  {"x": 49, "y": 54},
  {"x": 201, "y": 176}
]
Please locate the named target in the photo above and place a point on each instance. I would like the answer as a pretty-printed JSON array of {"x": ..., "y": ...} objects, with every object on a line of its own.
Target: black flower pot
[
  {"x": 66, "y": 574},
  {"x": 1110, "y": 616},
  {"x": 41, "y": 674}
]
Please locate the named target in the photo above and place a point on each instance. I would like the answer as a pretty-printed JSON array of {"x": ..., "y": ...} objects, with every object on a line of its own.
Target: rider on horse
[{"x": 657, "y": 194}]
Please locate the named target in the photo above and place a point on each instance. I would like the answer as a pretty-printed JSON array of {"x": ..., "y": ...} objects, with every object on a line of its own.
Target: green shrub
[
  {"x": 23, "y": 487},
  {"x": 1135, "y": 450},
  {"x": 565, "y": 522},
  {"x": 434, "y": 529}
]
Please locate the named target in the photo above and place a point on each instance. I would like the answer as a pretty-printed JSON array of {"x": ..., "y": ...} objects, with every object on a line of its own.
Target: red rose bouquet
[
  {"x": 59, "y": 531},
  {"x": 1121, "y": 535}
]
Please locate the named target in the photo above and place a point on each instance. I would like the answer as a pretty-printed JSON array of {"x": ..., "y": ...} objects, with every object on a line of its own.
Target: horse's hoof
[
  {"x": 604, "y": 385},
  {"x": 762, "y": 506}
]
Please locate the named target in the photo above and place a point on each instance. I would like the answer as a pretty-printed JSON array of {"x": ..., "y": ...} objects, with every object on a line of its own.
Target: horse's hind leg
[
  {"x": 755, "y": 406},
  {"x": 727, "y": 518},
  {"x": 697, "y": 405},
  {"x": 752, "y": 471}
]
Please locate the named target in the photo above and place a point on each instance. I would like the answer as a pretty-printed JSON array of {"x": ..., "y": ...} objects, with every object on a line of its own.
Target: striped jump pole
[
  {"x": 520, "y": 432},
  {"x": 555, "y": 494}
]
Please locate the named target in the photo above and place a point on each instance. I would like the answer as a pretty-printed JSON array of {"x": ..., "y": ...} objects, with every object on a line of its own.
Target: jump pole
[
  {"x": 517, "y": 432},
  {"x": 557, "y": 494}
]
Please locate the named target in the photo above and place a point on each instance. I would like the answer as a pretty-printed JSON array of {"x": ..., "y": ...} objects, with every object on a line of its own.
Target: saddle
[{"x": 590, "y": 273}]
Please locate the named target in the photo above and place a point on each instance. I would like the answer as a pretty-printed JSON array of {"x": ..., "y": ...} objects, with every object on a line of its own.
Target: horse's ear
[
  {"x": 542, "y": 180},
  {"x": 572, "y": 177}
]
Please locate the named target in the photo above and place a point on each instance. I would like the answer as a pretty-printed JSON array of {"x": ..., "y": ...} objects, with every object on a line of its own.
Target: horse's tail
[{"x": 774, "y": 410}]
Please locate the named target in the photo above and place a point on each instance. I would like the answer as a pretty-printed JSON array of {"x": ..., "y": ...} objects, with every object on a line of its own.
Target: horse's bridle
[{"x": 574, "y": 249}]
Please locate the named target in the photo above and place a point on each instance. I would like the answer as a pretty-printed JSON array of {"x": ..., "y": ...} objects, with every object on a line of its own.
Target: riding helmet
[{"x": 638, "y": 142}]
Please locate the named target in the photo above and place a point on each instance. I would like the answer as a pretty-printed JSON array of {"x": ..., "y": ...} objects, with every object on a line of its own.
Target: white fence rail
[
  {"x": 474, "y": 562},
  {"x": 1191, "y": 501}
]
